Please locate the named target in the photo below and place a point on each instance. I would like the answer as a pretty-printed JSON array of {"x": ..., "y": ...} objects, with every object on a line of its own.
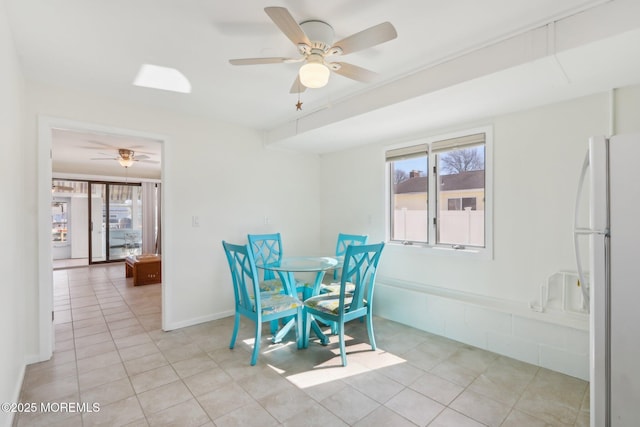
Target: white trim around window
[{"x": 433, "y": 146}]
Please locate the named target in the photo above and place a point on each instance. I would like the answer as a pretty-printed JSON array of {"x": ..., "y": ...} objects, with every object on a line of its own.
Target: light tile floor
[
  {"x": 60, "y": 264},
  {"x": 110, "y": 350}
]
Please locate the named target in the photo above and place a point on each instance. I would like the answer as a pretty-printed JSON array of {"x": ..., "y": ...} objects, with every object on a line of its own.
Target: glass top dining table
[
  {"x": 288, "y": 266},
  {"x": 302, "y": 263},
  {"x": 286, "y": 269}
]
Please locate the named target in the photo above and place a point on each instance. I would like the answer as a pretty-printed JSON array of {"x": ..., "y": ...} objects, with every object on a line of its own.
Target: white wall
[
  {"x": 14, "y": 260},
  {"x": 537, "y": 157},
  {"x": 216, "y": 171}
]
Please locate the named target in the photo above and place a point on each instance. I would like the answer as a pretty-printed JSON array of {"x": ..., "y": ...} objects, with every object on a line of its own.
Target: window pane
[
  {"x": 100, "y": 223},
  {"x": 125, "y": 221},
  {"x": 453, "y": 204},
  {"x": 409, "y": 214},
  {"x": 59, "y": 221},
  {"x": 469, "y": 202},
  {"x": 461, "y": 187}
]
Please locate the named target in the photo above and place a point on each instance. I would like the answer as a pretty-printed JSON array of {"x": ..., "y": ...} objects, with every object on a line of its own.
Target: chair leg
[
  {"x": 274, "y": 327},
  {"x": 307, "y": 330},
  {"x": 290, "y": 321},
  {"x": 234, "y": 335},
  {"x": 372, "y": 338},
  {"x": 256, "y": 343},
  {"x": 299, "y": 330},
  {"x": 324, "y": 340},
  {"x": 343, "y": 351}
]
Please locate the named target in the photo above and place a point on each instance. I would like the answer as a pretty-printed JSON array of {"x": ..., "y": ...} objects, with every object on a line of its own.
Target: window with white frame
[{"x": 438, "y": 192}]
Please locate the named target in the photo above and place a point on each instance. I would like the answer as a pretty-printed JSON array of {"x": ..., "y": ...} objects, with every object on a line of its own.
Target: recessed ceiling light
[{"x": 165, "y": 78}]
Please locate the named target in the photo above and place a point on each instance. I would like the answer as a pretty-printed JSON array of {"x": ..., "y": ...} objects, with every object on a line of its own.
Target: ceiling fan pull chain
[{"x": 299, "y": 104}]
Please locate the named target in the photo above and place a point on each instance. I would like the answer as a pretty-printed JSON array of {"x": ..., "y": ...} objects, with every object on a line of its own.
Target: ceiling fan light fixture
[
  {"x": 125, "y": 162},
  {"x": 126, "y": 157},
  {"x": 315, "y": 41},
  {"x": 314, "y": 74}
]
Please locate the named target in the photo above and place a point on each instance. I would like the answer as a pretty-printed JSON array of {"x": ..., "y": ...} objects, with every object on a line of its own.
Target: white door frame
[{"x": 46, "y": 124}]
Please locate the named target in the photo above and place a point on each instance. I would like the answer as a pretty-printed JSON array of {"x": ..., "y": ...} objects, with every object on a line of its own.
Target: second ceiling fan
[
  {"x": 314, "y": 40},
  {"x": 126, "y": 158}
]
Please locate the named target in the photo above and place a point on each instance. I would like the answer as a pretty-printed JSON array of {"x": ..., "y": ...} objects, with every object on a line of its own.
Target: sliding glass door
[
  {"x": 97, "y": 228},
  {"x": 116, "y": 221},
  {"x": 124, "y": 210}
]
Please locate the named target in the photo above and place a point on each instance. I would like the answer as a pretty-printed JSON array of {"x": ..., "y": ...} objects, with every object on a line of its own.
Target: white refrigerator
[{"x": 613, "y": 171}]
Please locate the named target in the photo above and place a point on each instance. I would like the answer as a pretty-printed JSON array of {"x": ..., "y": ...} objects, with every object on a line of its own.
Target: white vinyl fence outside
[{"x": 456, "y": 227}]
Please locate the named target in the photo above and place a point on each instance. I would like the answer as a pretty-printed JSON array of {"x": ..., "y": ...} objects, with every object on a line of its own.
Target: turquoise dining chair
[
  {"x": 256, "y": 305},
  {"x": 359, "y": 268},
  {"x": 267, "y": 249},
  {"x": 344, "y": 240}
]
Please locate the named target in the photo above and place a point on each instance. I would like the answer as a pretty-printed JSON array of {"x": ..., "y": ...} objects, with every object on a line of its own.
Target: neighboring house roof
[
  {"x": 418, "y": 184},
  {"x": 462, "y": 181},
  {"x": 458, "y": 181}
]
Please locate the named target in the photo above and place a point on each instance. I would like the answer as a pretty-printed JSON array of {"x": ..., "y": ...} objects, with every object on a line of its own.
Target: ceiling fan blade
[
  {"x": 141, "y": 157},
  {"x": 149, "y": 161},
  {"x": 367, "y": 38},
  {"x": 283, "y": 19},
  {"x": 100, "y": 143},
  {"x": 354, "y": 72},
  {"x": 297, "y": 86},
  {"x": 100, "y": 146},
  {"x": 135, "y": 148},
  {"x": 104, "y": 158},
  {"x": 255, "y": 61}
]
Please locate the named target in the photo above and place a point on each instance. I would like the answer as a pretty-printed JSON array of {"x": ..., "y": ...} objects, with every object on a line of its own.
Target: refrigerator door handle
[
  {"x": 578, "y": 231},
  {"x": 589, "y": 231}
]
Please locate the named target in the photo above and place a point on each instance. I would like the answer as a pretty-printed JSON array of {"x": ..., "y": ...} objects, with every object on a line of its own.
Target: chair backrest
[
  {"x": 244, "y": 275},
  {"x": 344, "y": 240},
  {"x": 360, "y": 267},
  {"x": 267, "y": 250}
]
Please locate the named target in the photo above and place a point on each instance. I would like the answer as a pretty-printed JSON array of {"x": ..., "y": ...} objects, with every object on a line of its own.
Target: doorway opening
[{"x": 77, "y": 151}]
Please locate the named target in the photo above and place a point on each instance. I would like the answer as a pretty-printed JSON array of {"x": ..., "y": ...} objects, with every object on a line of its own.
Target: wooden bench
[{"x": 145, "y": 269}]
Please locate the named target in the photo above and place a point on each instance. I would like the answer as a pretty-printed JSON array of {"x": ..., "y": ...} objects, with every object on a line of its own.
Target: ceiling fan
[
  {"x": 314, "y": 40},
  {"x": 126, "y": 158}
]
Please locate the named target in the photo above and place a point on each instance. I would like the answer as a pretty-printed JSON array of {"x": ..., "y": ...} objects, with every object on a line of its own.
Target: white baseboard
[
  {"x": 16, "y": 395},
  {"x": 33, "y": 358},
  {"x": 170, "y": 326}
]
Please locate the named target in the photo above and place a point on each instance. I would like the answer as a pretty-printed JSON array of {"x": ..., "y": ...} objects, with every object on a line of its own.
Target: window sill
[{"x": 467, "y": 252}]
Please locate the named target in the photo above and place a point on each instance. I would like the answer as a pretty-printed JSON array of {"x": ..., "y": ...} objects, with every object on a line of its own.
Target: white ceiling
[
  {"x": 453, "y": 61},
  {"x": 93, "y": 153}
]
